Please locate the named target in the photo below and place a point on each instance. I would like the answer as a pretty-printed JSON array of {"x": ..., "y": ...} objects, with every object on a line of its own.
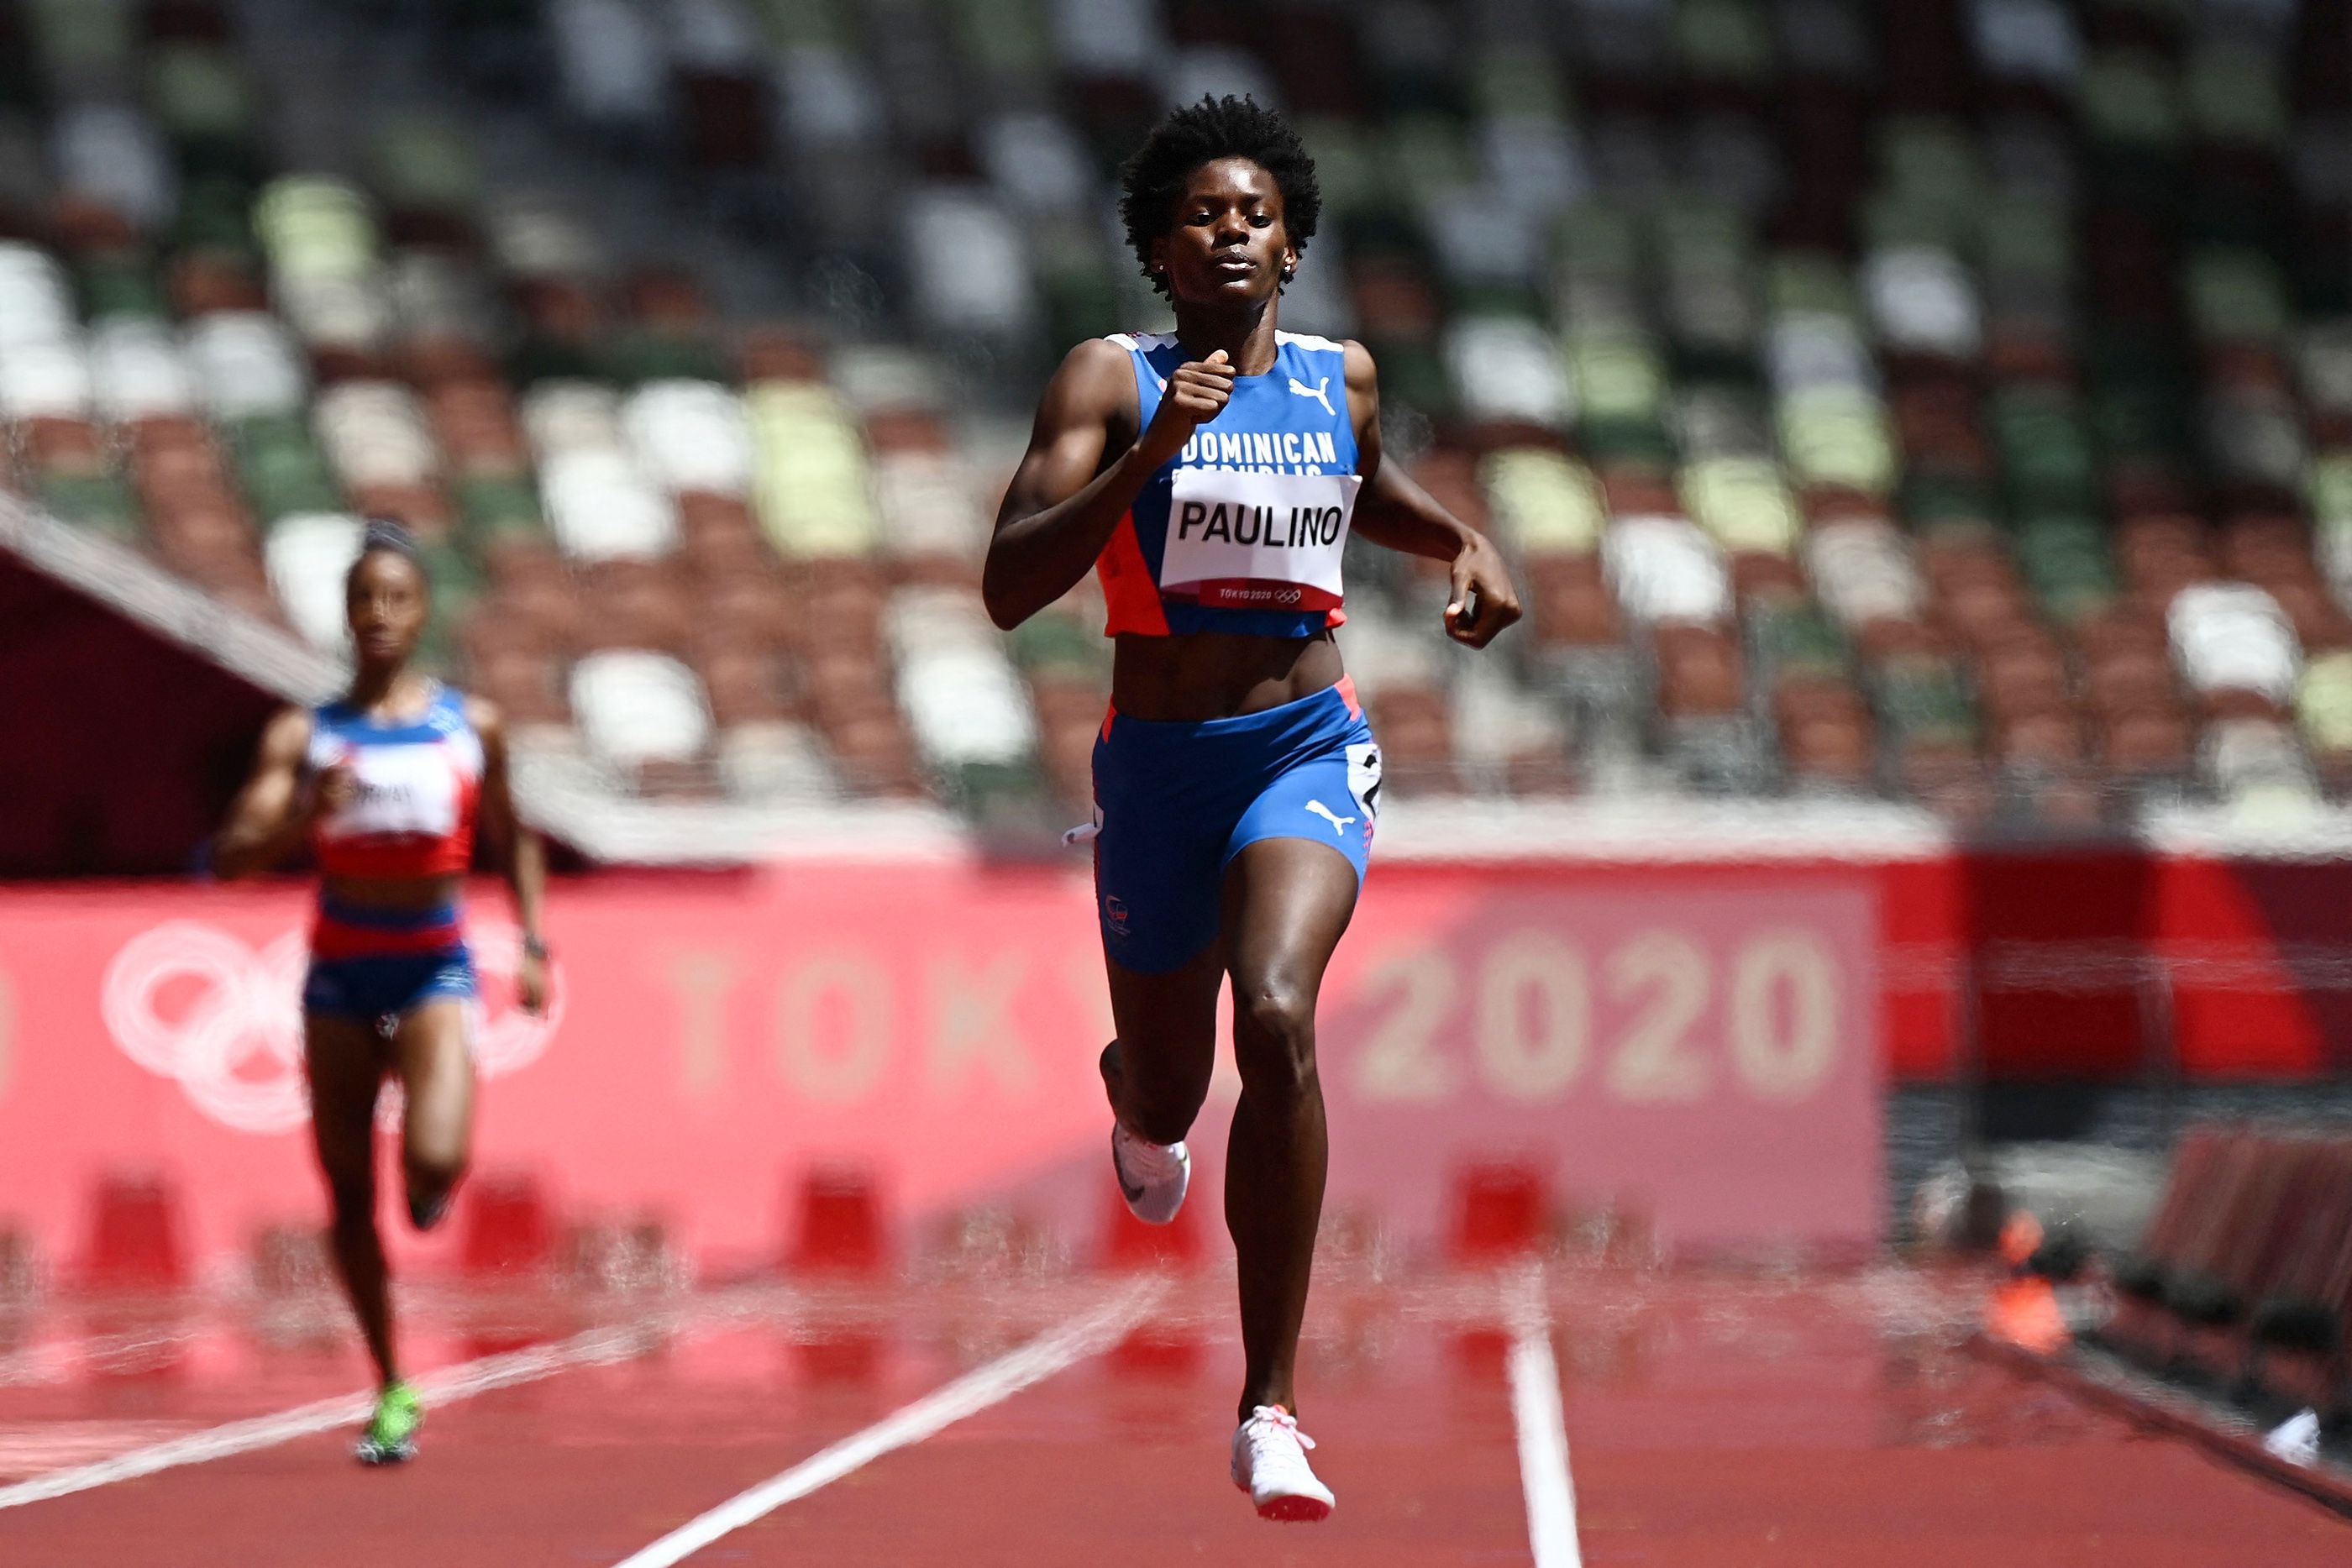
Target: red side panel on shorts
[
  {"x": 1128, "y": 589},
  {"x": 1347, "y": 689}
]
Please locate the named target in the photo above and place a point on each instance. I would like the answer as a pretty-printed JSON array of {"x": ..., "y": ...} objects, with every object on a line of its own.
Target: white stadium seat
[
  {"x": 308, "y": 554},
  {"x": 636, "y": 707},
  {"x": 1666, "y": 569}
]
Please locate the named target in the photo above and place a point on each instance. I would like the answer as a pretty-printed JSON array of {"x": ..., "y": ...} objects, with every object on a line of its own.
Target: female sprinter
[
  {"x": 1211, "y": 476},
  {"x": 384, "y": 785}
]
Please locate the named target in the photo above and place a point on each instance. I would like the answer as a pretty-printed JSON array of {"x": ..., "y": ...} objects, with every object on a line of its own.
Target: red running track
[{"x": 1710, "y": 1420}]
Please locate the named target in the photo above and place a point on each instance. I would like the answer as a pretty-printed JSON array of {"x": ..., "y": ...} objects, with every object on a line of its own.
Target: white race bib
[
  {"x": 403, "y": 789},
  {"x": 1240, "y": 540}
]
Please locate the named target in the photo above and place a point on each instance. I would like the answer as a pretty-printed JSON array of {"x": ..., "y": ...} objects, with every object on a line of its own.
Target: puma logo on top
[
  {"x": 1339, "y": 824},
  {"x": 1320, "y": 392}
]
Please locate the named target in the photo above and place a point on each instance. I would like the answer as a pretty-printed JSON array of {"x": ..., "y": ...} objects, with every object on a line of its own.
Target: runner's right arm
[
  {"x": 272, "y": 815},
  {"x": 1059, "y": 511}
]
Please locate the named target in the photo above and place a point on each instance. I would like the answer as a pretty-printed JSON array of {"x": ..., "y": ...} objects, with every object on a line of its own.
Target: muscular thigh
[
  {"x": 346, "y": 1059},
  {"x": 434, "y": 1045},
  {"x": 433, "y": 1049},
  {"x": 1171, "y": 1014},
  {"x": 1288, "y": 902}
]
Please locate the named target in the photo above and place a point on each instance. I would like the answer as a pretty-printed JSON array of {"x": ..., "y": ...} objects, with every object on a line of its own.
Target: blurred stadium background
[
  {"x": 1943, "y": 403},
  {"x": 1923, "y": 430}
]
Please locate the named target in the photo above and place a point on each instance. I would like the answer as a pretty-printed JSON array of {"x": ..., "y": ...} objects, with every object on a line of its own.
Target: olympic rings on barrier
[{"x": 234, "y": 1045}]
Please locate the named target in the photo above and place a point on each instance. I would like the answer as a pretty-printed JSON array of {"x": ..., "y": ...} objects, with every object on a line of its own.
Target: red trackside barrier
[
  {"x": 1499, "y": 1212},
  {"x": 135, "y": 1241},
  {"x": 509, "y": 1224},
  {"x": 841, "y": 1227}
]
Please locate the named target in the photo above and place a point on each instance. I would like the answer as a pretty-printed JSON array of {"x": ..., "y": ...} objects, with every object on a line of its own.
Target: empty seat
[
  {"x": 375, "y": 433},
  {"x": 1864, "y": 572},
  {"x": 1838, "y": 435},
  {"x": 1666, "y": 569},
  {"x": 928, "y": 506},
  {"x": 308, "y": 555},
  {"x": 1541, "y": 502},
  {"x": 136, "y": 371},
  {"x": 1922, "y": 301},
  {"x": 2255, "y": 762},
  {"x": 970, "y": 263},
  {"x": 1744, "y": 503},
  {"x": 1036, "y": 161},
  {"x": 601, "y": 506},
  {"x": 636, "y": 707},
  {"x": 2229, "y": 636},
  {"x": 610, "y": 63},
  {"x": 770, "y": 762},
  {"x": 44, "y": 378},
  {"x": 690, "y": 435},
  {"x": 963, "y": 700},
  {"x": 35, "y": 299},
  {"x": 563, "y": 415},
  {"x": 1507, "y": 369},
  {"x": 2324, "y": 714},
  {"x": 246, "y": 365},
  {"x": 1808, "y": 351},
  {"x": 813, "y": 488},
  {"x": 111, "y": 155}
]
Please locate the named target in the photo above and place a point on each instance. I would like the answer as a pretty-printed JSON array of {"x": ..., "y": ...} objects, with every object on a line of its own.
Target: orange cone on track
[
  {"x": 2024, "y": 1312},
  {"x": 2021, "y": 1237}
]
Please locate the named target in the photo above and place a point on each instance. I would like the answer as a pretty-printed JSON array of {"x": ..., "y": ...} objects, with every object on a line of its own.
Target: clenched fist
[
  {"x": 1195, "y": 395},
  {"x": 336, "y": 787}
]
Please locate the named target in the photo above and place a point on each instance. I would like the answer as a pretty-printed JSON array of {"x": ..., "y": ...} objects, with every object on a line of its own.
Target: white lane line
[
  {"x": 54, "y": 1361},
  {"x": 1542, "y": 1426},
  {"x": 1072, "y": 1341},
  {"x": 597, "y": 1346}
]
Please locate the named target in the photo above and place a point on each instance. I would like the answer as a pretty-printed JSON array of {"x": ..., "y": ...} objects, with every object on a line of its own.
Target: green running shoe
[{"x": 391, "y": 1435}]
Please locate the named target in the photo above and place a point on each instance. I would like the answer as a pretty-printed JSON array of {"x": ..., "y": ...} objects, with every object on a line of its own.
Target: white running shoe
[
  {"x": 1270, "y": 1464},
  {"x": 1151, "y": 1176}
]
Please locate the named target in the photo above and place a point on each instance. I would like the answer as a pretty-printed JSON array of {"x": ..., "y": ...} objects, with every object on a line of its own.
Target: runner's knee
[{"x": 1274, "y": 1037}]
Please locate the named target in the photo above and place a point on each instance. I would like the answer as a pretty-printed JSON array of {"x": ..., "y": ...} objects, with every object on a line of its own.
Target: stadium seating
[
  {"x": 2245, "y": 1273},
  {"x": 1957, "y": 412}
]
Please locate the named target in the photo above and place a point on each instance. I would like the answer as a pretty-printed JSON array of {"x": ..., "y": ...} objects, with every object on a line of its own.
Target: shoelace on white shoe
[{"x": 1272, "y": 1435}]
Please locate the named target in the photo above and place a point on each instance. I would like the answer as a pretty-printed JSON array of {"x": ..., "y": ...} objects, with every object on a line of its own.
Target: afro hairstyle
[{"x": 1202, "y": 133}]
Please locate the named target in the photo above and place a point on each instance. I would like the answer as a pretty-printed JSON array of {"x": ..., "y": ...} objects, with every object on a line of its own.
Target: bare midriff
[
  {"x": 1218, "y": 674},
  {"x": 397, "y": 894}
]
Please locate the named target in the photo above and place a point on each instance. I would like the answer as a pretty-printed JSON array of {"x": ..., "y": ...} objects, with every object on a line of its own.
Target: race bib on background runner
[{"x": 1245, "y": 540}]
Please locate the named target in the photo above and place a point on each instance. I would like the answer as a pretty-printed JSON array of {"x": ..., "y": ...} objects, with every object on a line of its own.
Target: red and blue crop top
[
  {"x": 419, "y": 784},
  {"x": 1242, "y": 530}
]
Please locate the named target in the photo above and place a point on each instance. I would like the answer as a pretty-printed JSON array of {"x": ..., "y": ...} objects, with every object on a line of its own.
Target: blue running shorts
[
  {"x": 1176, "y": 802},
  {"x": 378, "y": 965}
]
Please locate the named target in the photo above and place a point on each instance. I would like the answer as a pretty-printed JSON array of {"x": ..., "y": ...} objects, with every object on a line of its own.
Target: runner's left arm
[
  {"x": 1394, "y": 512},
  {"x": 518, "y": 848}
]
